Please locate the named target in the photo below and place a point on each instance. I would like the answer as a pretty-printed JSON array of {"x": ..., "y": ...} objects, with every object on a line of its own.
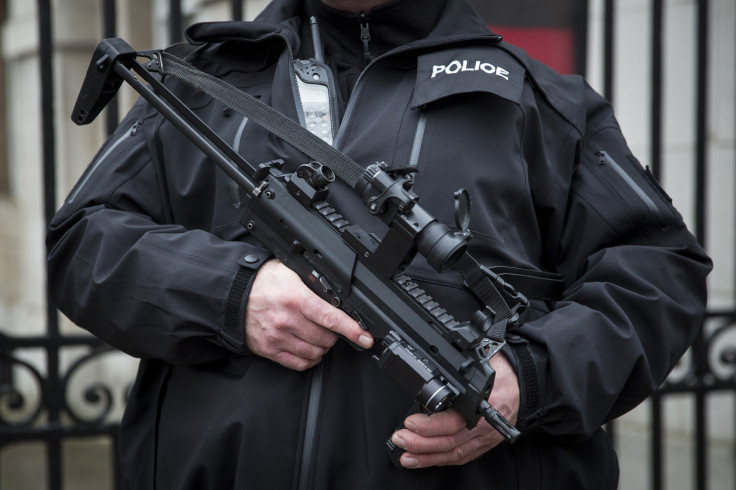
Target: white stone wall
[{"x": 24, "y": 172}]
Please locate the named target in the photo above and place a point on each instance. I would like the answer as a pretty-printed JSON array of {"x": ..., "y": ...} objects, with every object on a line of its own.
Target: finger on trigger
[{"x": 336, "y": 320}]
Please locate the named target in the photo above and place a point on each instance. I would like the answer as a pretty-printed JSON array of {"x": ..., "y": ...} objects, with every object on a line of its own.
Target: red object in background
[
  {"x": 551, "y": 31},
  {"x": 552, "y": 46}
]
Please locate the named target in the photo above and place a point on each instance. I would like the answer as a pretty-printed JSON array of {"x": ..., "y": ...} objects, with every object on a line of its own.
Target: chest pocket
[{"x": 632, "y": 199}]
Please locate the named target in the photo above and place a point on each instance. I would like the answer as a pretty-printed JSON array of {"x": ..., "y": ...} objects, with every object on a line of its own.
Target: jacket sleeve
[
  {"x": 634, "y": 299},
  {"x": 121, "y": 269}
]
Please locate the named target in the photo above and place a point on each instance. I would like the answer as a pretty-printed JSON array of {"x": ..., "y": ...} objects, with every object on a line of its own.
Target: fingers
[
  {"x": 436, "y": 433},
  {"x": 334, "y": 320},
  {"x": 289, "y": 324},
  {"x": 292, "y": 347},
  {"x": 442, "y": 439},
  {"x": 438, "y": 424},
  {"x": 459, "y": 454},
  {"x": 289, "y": 360}
]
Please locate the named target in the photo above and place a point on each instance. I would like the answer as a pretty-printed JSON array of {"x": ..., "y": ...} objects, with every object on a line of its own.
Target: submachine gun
[{"x": 439, "y": 361}]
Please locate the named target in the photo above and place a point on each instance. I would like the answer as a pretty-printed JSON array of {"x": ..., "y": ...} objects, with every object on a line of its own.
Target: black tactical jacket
[{"x": 148, "y": 253}]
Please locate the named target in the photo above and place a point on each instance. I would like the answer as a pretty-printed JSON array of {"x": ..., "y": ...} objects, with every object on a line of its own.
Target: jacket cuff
[
  {"x": 520, "y": 356},
  {"x": 233, "y": 332}
]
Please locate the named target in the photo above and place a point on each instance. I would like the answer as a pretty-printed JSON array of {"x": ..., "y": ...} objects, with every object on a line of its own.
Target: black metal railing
[
  {"x": 51, "y": 419},
  {"x": 48, "y": 415},
  {"x": 701, "y": 378}
]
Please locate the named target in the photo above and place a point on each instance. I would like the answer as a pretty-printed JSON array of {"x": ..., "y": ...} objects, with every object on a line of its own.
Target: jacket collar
[
  {"x": 387, "y": 26},
  {"x": 457, "y": 21}
]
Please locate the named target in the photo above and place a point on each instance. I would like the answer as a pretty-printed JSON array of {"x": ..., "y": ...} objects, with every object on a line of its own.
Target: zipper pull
[
  {"x": 602, "y": 157},
  {"x": 135, "y": 127},
  {"x": 365, "y": 36}
]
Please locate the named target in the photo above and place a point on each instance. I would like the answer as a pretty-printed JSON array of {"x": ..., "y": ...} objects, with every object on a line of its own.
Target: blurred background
[{"x": 668, "y": 66}]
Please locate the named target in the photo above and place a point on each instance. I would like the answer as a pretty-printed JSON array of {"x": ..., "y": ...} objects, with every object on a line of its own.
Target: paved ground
[
  {"x": 633, "y": 451},
  {"x": 88, "y": 465}
]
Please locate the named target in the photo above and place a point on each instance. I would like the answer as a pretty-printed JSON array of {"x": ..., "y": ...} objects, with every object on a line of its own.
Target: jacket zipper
[
  {"x": 605, "y": 159},
  {"x": 310, "y": 430},
  {"x": 128, "y": 134},
  {"x": 365, "y": 36}
]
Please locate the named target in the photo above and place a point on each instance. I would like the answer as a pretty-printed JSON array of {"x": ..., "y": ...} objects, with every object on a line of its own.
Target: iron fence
[{"x": 53, "y": 420}]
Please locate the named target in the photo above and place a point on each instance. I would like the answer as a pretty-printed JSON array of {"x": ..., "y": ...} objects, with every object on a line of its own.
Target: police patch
[{"x": 458, "y": 71}]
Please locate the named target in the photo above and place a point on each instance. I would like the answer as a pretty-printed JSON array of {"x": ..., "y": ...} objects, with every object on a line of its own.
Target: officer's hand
[
  {"x": 289, "y": 324},
  {"x": 442, "y": 439}
]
